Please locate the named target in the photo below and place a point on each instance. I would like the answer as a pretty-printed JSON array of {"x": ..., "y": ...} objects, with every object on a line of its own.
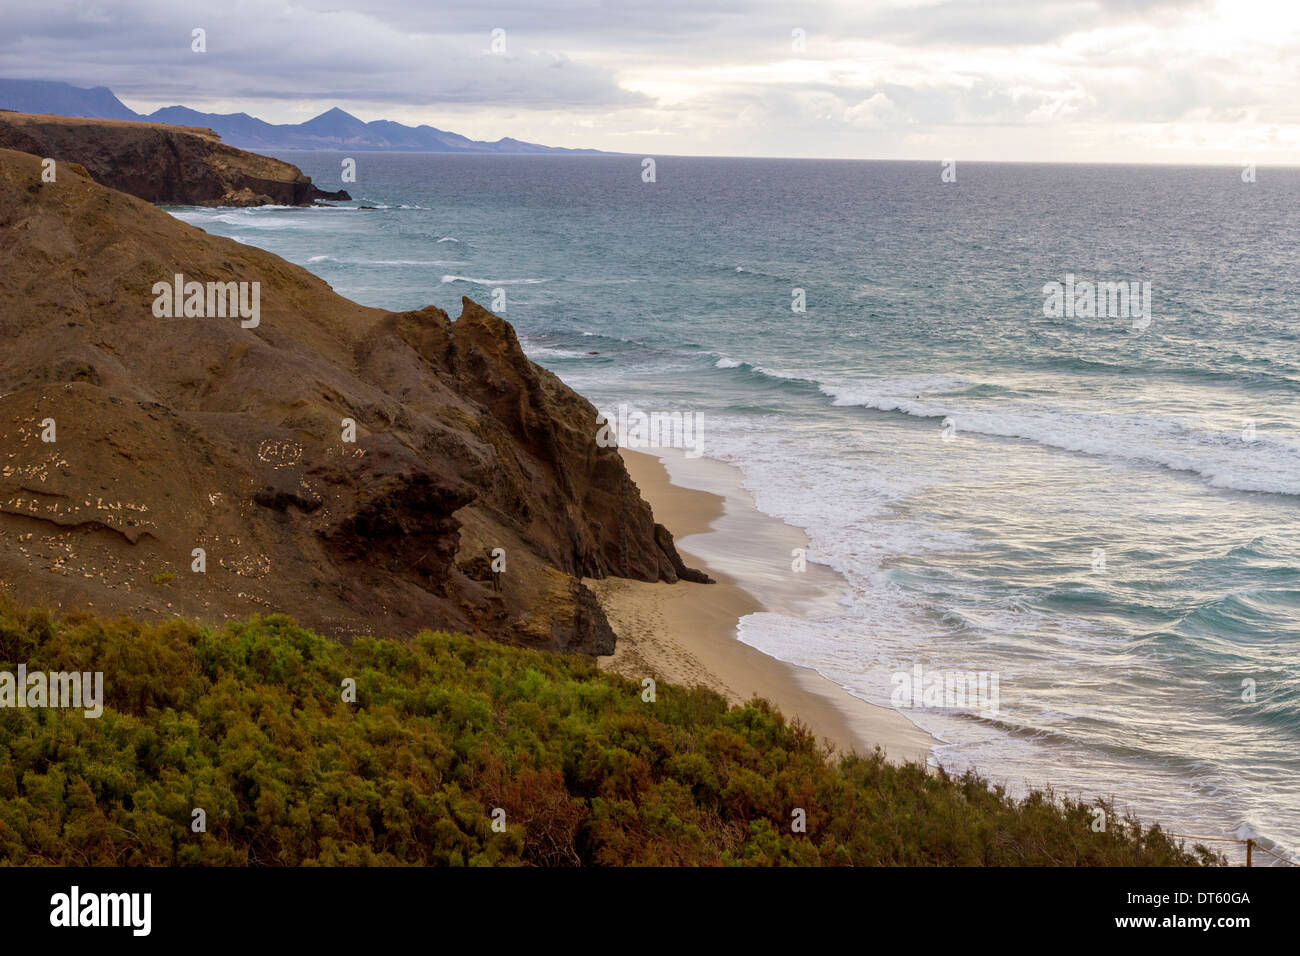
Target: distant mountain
[
  {"x": 333, "y": 129},
  {"x": 46, "y": 96}
]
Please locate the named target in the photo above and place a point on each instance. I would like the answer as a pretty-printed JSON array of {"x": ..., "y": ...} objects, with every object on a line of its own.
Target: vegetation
[{"x": 250, "y": 725}]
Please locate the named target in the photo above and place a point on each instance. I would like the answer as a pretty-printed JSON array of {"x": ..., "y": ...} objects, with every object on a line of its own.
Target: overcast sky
[{"x": 1084, "y": 80}]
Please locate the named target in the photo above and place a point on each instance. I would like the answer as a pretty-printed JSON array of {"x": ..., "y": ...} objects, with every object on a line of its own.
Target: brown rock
[
  {"x": 175, "y": 434},
  {"x": 179, "y": 165}
]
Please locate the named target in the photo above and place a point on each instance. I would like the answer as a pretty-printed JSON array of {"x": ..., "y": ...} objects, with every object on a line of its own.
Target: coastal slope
[
  {"x": 177, "y": 165},
  {"x": 204, "y": 467}
]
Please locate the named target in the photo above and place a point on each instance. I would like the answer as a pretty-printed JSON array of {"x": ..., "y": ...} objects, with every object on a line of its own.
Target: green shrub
[{"x": 248, "y": 723}]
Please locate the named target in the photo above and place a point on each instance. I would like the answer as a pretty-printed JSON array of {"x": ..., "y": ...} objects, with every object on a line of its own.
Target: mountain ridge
[{"x": 333, "y": 129}]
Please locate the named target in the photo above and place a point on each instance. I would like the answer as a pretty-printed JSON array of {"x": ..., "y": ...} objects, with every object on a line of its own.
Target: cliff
[
  {"x": 178, "y": 165},
  {"x": 176, "y": 434}
]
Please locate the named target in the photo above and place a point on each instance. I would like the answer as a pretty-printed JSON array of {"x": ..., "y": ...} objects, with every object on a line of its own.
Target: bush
[{"x": 249, "y": 724}]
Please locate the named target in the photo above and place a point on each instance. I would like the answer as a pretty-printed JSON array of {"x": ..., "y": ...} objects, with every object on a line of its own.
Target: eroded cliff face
[
  {"x": 180, "y": 165},
  {"x": 176, "y": 434}
]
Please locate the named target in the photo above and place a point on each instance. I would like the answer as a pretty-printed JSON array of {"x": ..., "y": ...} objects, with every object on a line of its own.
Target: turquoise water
[{"x": 964, "y": 461}]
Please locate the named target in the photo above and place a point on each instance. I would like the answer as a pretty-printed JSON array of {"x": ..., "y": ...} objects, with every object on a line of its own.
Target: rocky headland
[
  {"x": 171, "y": 165},
  {"x": 365, "y": 471}
]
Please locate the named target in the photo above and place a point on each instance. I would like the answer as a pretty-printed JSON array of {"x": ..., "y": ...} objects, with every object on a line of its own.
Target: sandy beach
[{"x": 686, "y": 633}]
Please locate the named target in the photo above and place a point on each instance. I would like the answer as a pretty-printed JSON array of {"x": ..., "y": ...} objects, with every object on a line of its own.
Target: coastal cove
[
  {"x": 968, "y": 546},
  {"x": 430, "y": 712}
]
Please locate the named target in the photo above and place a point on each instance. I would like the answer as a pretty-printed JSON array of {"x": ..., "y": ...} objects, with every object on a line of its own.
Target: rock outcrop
[
  {"x": 196, "y": 466},
  {"x": 178, "y": 165}
]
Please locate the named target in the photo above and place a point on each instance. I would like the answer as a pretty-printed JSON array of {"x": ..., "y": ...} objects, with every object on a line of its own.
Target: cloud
[
  {"x": 877, "y": 78},
  {"x": 1017, "y": 23},
  {"x": 144, "y": 50}
]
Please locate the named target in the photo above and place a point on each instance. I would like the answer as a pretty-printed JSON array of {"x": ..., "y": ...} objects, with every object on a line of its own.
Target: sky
[{"x": 1162, "y": 81}]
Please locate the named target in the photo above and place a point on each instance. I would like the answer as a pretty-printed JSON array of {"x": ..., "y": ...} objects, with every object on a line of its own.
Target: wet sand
[{"x": 686, "y": 633}]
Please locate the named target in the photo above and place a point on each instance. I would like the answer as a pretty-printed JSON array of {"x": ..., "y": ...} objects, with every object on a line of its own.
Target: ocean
[{"x": 1100, "y": 510}]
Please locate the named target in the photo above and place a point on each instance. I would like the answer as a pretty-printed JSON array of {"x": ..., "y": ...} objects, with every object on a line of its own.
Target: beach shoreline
[{"x": 686, "y": 633}]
